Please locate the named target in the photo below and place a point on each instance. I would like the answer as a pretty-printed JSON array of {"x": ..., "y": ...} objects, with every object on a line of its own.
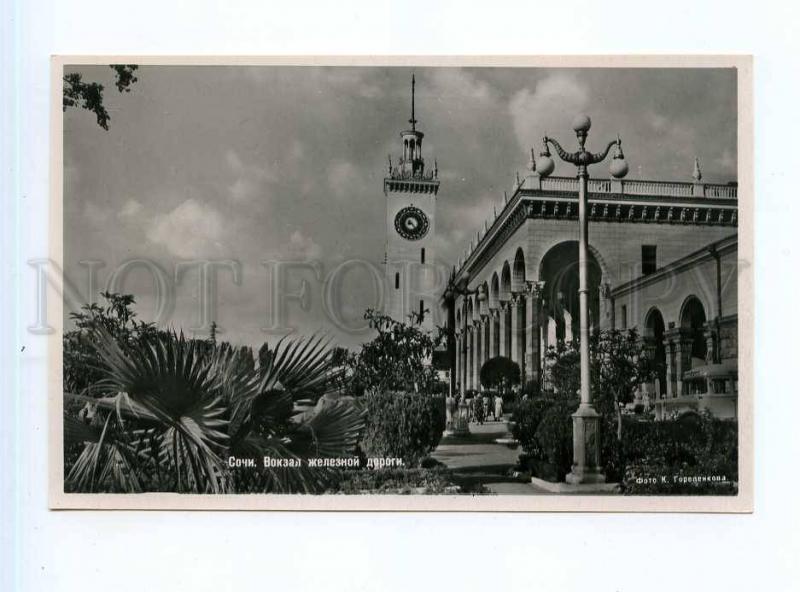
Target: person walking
[{"x": 498, "y": 408}]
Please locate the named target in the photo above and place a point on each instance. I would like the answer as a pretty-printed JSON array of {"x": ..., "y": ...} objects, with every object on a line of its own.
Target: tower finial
[
  {"x": 697, "y": 174},
  {"x": 413, "y": 120}
]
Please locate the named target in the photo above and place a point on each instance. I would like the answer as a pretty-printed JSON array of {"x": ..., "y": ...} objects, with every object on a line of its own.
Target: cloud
[
  {"x": 727, "y": 161},
  {"x": 130, "y": 209},
  {"x": 464, "y": 223},
  {"x": 190, "y": 230},
  {"x": 453, "y": 84},
  {"x": 342, "y": 177},
  {"x": 96, "y": 214},
  {"x": 303, "y": 247},
  {"x": 249, "y": 180},
  {"x": 552, "y": 104},
  {"x": 657, "y": 121}
]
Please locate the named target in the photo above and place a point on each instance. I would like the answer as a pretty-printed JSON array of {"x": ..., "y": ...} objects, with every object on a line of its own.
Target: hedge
[
  {"x": 684, "y": 450},
  {"x": 525, "y": 419},
  {"x": 403, "y": 425}
]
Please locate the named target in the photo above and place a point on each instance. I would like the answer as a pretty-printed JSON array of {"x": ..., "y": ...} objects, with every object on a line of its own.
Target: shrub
[
  {"x": 395, "y": 360},
  {"x": 531, "y": 388},
  {"x": 403, "y": 425},
  {"x": 170, "y": 410},
  {"x": 654, "y": 476},
  {"x": 554, "y": 435},
  {"x": 691, "y": 446},
  {"x": 499, "y": 373},
  {"x": 525, "y": 421},
  {"x": 398, "y": 481}
]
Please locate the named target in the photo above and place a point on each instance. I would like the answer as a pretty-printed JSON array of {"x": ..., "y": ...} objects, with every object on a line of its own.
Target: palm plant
[{"x": 173, "y": 410}]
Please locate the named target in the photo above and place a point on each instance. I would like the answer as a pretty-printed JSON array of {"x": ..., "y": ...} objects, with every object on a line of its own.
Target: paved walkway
[
  {"x": 478, "y": 458},
  {"x": 478, "y": 450}
]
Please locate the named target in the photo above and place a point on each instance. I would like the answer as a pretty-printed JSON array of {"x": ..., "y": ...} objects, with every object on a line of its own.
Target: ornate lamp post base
[
  {"x": 586, "y": 444},
  {"x": 457, "y": 418}
]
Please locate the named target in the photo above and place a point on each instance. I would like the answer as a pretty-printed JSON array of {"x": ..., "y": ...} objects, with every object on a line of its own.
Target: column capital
[
  {"x": 535, "y": 288},
  {"x": 676, "y": 335}
]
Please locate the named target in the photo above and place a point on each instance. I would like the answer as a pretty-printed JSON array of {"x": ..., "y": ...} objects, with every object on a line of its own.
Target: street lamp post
[{"x": 586, "y": 466}]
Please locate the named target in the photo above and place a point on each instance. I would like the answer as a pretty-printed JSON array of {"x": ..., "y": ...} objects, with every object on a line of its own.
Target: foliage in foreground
[
  {"x": 402, "y": 425},
  {"x": 167, "y": 412},
  {"x": 652, "y": 458},
  {"x": 619, "y": 365},
  {"x": 675, "y": 457},
  {"x": 83, "y": 366},
  {"x": 89, "y": 95},
  {"x": 397, "y": 359},
  {"x": 402, "y": 481}
]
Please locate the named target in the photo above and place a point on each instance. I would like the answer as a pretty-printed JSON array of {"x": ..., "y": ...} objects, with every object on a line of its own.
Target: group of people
[{"x": 482, "y": 407}]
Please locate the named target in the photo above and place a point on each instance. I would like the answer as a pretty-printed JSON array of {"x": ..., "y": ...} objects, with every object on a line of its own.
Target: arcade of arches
[{"x": 517, "y": 318}]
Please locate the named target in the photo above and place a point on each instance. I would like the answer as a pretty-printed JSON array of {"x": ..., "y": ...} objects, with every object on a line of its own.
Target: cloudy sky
[{"x": 255, "y": 164}]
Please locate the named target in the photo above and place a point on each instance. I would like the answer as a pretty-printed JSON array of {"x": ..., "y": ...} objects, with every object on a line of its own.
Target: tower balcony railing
[
  {"x": 648, "y": 188},
  {"x": 400, "y": 174}
]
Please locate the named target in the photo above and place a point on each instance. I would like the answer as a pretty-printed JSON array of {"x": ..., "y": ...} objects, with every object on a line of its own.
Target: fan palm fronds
[
  {"x": 169, "y": 411},
  {"x": 184, "y": 391},
  {"x": 300, "y": 366}
]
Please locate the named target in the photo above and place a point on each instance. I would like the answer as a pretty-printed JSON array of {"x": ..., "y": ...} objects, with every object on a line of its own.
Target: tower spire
[{"x": 413, "y": 120}]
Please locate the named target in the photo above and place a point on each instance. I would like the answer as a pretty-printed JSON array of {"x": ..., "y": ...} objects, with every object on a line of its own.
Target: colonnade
[{"x": 516, "y": 328}]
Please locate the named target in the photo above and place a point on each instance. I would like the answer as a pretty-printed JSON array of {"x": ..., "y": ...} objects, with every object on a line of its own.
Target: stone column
[
  {"x": 517, "y": 328},
  {"x": 649, "y": 389},
  {"x": 487, "y": 326},
  {"x": 710, "y": 335},
  {"x": 532, "y": 353},
  {"x": 468, "y": 360},
  {"x": 504, "y": 328},
  {"x": 476, "y": 357},
  {"x": 544, "y": 328},
  {"x": 606, "y": 320},
  {"x": 679, "y": 367},
  {"x": 493, "y": 341},
  {"x": 459, "y": 384},
  {"x": 683, "y": 360},
  {"x": 479, "y": 351},
  {"x": 671, "y": 337}
]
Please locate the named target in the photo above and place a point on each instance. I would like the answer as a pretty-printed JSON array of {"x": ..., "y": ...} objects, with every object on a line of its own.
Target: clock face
[{"x": 411, "y": 223}]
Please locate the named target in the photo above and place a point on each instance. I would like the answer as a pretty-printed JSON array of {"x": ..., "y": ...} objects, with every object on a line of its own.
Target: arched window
[
  {"x": 693, "y": 319},
  {"x": 654, "y": 338},
  {"x": 397, "y": 281},
  {"x": 421, "y": 310},
  {"x": 422, "y": 255}
]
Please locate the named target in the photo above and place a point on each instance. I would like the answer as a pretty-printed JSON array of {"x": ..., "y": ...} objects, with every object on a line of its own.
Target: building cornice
[
  {"x": 611, "y": 201},
  {"x": 410, "y": 185}
]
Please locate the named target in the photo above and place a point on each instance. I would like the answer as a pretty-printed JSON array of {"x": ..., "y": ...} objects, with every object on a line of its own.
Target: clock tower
[{"x": 410, "y": 191}]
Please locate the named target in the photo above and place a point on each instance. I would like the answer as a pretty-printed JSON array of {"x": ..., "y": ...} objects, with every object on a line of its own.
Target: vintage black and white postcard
[{"x": 401, "y": 283}]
